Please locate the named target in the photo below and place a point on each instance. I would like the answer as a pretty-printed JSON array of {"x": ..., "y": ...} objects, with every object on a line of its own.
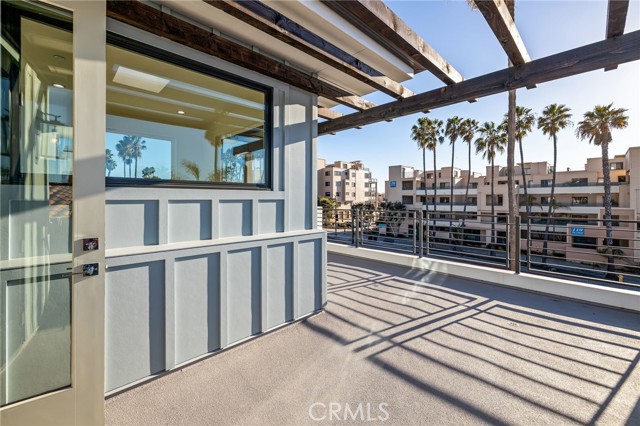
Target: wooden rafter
[
  {"x": 154, "y": 21},
  {"x": 616, "y": 20},
  {"x": 268, "y": 20},
  {"x": 603, "y": 54},
  {"x": 497, "y": 15},
  {"x": 380, "y": 23},
  {"x": 616, "y": 17},
  {"x": 328, "y": 113}
]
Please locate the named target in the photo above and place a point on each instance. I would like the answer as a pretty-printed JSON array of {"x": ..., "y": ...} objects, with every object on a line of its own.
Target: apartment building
[
  {"x": 346, "y": 182},
  {"x": 577, "y": 205}
]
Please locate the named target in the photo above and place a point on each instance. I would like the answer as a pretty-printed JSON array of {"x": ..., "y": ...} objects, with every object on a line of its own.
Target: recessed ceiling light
[
  {"x": 139, "y": 79},
  {"x": 181, "y": 112},
  {"x": 58, "y": 85}
]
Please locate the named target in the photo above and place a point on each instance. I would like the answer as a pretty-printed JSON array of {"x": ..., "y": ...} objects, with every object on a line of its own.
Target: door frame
[{"x": 83, "y": 402}]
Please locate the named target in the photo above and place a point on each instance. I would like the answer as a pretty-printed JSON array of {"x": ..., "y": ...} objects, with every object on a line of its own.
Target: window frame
[{"x": 178, "y": 60}]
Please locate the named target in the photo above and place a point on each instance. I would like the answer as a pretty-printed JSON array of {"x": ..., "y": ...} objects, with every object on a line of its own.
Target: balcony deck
[{"x": 437, "y": 350}]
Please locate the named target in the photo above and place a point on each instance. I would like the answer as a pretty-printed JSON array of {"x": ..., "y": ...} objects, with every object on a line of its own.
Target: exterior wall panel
[{"x": 135, "y": 322}]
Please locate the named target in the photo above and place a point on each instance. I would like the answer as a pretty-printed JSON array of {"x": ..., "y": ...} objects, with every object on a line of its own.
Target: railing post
[
  {"x": 507, "y": 246},
  {"x": 528, "y": 244},
  {"x": 427, "y": 232},
  {"x": 517, "y": 250},
  {"x": 415, "y": 230},
  {"x": 356, "y": 213},
  {"x": 335, "y": 220},
  {"x": 353, "y": 227},
  {"x": 421, "y": 237}
]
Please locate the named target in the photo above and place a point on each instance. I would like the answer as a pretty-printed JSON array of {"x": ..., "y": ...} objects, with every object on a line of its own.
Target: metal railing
[{"x": 572, "y": 250}]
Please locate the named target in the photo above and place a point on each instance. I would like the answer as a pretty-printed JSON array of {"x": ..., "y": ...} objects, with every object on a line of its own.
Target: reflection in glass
[
  {"x": 36, "y": 147},
  {"x": 167, "y": 122}
]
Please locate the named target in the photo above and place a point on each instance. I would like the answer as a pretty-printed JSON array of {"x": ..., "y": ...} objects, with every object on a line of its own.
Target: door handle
[{"x": 88, "y": 270}]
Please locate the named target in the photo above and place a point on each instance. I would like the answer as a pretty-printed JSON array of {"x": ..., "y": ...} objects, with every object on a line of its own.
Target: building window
[
  {"x": 327, "y": 184},
  {"x": 622, "y": 179},
  {"x": 579, "y": 181},
  {"x": 353, "y": 175},
  {"x": 615, "y": 242},
  {"x": 473, "y": 201},
  {"x": 576, "y": 201},
  {"x": 585, "y": 242},
  {"x": 353, "y": 184},
  {"x": 429, "y": 175},
  {"x": 337, "y": 173},
  {"x": 176, "y": 120},
  {"x": 337, "y": 194},
  {"x": 327, "y": 194},
  {"x": 366, "y": 185},
  {"x": 616, "y": 166},
  {"x": 545, "y": 183},
  {"x": 327, "y": 173},
  {"x": 338, "y": 184},
  {"x": 444, "y": 200},
  {"x": 407, "y": 199},
  {"x": 439, "y": 174},
  {"x": 353, "y": 194},
  {"x": 444, "y": 185},
  {"x": 367, "y": 175},
  {"x": 474, "y": 185},
  {"x": 345, "y": 166},
  {"x": 407, "y": 185}
]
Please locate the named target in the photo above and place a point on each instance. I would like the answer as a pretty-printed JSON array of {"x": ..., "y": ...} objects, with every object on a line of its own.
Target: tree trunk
[
  {"x": 606, "y": 171},
  {"x": 424, "y": 178},
  {"x": 524, "y": 181},
  {"x": 551, "y": 199},
  {"x": 493, "y": 210},
  {"x": 453, "y": 148},
  {"x": 435, "y": 188},
  {"x": 136, "y": 168},
  {"x": 512, "y": 197},
  {"x": 124, "y": 167},
  {"x": 466, "y": 192}
]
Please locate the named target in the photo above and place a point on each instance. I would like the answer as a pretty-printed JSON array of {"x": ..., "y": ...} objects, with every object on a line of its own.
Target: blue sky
[{"x": 464, "y": 39}]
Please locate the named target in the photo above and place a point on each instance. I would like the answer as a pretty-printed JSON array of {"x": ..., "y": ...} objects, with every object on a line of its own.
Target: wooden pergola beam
[
  {"x": 616, "y": 17},
  {"x": 603, "y": 54},
  {"x": 380, "y": 23},
  {"x": 616, "y": 20},
  {"x": 273, "y": 23},
  {"x": 328, "y": 113},
  {"x": 497, "y": 15},
  {"x": 156, "y": 22}
]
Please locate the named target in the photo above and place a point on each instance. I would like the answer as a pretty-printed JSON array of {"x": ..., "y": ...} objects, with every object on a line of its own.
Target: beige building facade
[
  {"x": 577, "y": 206},
  {"x": 347, "y": 182}
]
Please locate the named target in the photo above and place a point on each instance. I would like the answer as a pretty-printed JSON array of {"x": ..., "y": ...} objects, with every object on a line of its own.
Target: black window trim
[{"x": 127, "y": 43}]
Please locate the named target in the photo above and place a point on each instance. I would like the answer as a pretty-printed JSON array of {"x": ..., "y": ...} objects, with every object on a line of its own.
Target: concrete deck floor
[{"x": 435, "y": 350}]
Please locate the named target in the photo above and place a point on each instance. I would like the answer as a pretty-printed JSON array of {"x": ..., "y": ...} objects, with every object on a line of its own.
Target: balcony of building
[{"x": 402, "y": 346}]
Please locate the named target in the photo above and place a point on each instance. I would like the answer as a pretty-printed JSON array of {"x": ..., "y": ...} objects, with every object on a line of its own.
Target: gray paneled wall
[{"x": 164, "y": 308}]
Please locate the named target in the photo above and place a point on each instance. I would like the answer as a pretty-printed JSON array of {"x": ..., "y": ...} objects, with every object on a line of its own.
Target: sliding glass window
[{"x": 182, "y": 124}]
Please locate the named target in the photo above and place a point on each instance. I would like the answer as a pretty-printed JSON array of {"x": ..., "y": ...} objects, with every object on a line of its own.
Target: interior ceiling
[
  {"x": 204, "y": 102},
  {"x": 49, "y": 51}
]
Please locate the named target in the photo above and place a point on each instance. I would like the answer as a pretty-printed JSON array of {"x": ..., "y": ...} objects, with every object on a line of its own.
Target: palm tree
[
  {"x": 124, "y": 151},
  {"x": 468, "y": 133},
  {"x": 492, "y": 140},
  {"x": 453, "y": 131},
  {"x": 554, "y": 118},
  {"x": 110, "y": 164},
  {"x": 192, "y": 168},
  {"x": 525, "y": 119},
  {"x": 596, "y": 128},
  {"x": 137, "y": 146},
  {"x": 427, "y": 133}
]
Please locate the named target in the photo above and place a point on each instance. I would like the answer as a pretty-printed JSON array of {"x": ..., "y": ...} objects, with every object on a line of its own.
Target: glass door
[
  {"x": 44, "y": 303},
  {"x": 35, "y": 203}
]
